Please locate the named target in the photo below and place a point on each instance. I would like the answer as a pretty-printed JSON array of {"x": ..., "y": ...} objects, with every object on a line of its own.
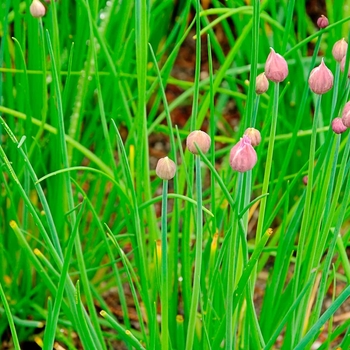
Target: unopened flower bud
[
  {"x": 254, "y": 136},
  {"x": 321, "y": 79},
  {"x": 346, "y": 115},
  {"x": 243, "y": 156},
  {"x": 201, "y": 138},
  {"x": 276, "y": 68},
  {"x": 262, "y": 84},
  {"x": 165, "y": 168},
  {"x": 305, "y": 179},
  {"x": 339, "y": 49},
  {"x": 346, "y": 108},
  {"x": 346, "y": 119},
  {"x": 322, "y": 22},
  {"x": 37, "y": 9},
  {"x": 342, "y": 66},
  {"x": 337, "y": 126}
]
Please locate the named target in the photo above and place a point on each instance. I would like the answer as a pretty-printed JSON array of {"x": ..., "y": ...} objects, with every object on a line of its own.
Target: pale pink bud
[
  {"x": 243, "y": 156},
  {"x": 342, "y": 66},
  {"x": 201, "y": 138},
  {"x": 322, "y": 22},
  {"x": 262, "y": 84},
  {"x": 276, "y": 68},
  {"x": 337, "y": 126},
  {"x": 346, "y": 108},
  {"x": 346, "y": 115},
  {"x": 321, "y": 79},
  {"x": 339, "y": 49},
  {"x": 37, "y": 9},
  {"x": 346, "y": 119},
  {"x": 165, "y": 168},
  {"x": 254, "y": 136},
  {"x": 305, "y": 179}
]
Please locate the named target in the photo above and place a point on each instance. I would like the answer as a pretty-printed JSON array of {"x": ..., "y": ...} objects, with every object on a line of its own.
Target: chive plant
[{"x": 252, "y": 251}]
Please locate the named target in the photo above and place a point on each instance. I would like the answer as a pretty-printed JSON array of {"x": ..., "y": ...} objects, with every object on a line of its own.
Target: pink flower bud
[
  {"x": 346, "y": 108},
  {"x": 321, "y": 79},
  {"x": 346, "y": 115},
  {"x": 305, "y": 179},
  {"x": 342, "y": 66},
  {"x": 322, "y": 22},
  {"x": 276, "y": 68},
  {"x": 262, "y": 84},
  {"x": 201, "y": 138},
  {"x": 37, "y": 9},
  {"x": 337, "y": 126},
  {"x": 243, "y": 156},
  {"x": 339, "y": 49},
  {"x": 165, "y": 168},
  {"x": 346, "y": 119},
  {"x": 254, "y": 136}
]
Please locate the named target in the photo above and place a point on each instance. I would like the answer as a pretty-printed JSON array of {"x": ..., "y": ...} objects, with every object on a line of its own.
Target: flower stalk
[
  {"x": 306, "y": 217},
  {"x": 164, "y": 295},
  {"x": 268, "y": 166},
  {"x": 198, "y": 258}
]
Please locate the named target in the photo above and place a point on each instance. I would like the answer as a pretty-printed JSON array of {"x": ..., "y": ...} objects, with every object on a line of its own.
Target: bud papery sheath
[
  {"x": 276, "y": 68},
  {"x": 262, "y": 84},
  {"x": 338, "y": 126},
  {"x": 339, "y": 49},
  {"x": 345, "y": 117},
  {"x": 321, "y": 79},
  {"x": 165, "y": 168},
  {"x": 199, "y": 137},
  {"x": 37, "y": 9},
  {"x": 254, "y": 136},
  {"x": 243, "y": 156},
  {"x": 322, "y": 22}
]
